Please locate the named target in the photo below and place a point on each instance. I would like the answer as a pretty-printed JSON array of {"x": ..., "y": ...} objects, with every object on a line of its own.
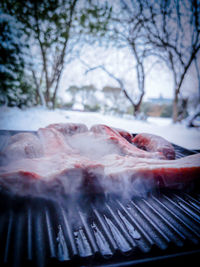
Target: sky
[{"x": 121, "y": 63}]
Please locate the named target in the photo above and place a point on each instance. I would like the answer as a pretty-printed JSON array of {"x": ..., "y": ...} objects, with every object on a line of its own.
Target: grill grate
[
  {"x": 44, "y": 232},
  {"x": 101, "y": 230}
]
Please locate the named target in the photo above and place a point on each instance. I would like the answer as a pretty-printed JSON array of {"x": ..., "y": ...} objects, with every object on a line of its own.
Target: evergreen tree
[{"x": 13, "y": 86}]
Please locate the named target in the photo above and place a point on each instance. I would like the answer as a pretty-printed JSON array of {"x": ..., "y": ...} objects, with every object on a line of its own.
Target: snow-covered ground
[{"x": 34, "y": 118}]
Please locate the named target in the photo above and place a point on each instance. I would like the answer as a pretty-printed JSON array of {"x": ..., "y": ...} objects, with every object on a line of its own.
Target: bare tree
[
  {"x": 173, "y": 30},
  {"x": 61, "y": 32},
  {"x": 127, "y": 31},
  {"x": 134, "y": 104}
]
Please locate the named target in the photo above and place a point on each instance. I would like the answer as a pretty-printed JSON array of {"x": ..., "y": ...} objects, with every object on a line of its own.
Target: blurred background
[{"x": 132, "y": 64}]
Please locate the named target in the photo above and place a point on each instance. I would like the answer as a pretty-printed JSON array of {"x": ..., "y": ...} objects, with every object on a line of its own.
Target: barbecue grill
[{"x": 163, "y": 227}]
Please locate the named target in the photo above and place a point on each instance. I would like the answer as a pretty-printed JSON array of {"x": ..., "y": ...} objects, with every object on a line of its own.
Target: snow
[{"x": 34, "y": 118}]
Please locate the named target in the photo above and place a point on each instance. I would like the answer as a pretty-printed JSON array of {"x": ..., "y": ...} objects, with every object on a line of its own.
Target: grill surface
[{"x": 100, "y": 230}]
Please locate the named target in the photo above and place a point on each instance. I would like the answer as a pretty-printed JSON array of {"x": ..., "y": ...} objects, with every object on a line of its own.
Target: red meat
[
  {"x": 67, "y": 163},
  {"x": 154, "y": 143},
  {"x": 69, "y": 128},
  {"x": 22, "y": 145},
  {"x": 126, "y": 148},
  {"x": 124, "y": 134}
]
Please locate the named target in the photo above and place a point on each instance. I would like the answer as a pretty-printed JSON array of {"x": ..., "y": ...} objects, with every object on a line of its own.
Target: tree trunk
[
  {"x": 55, "y": 90},
  {"x": 62, "y": 56},
  {"x": 175, "y": 107},
  {"x": 198, "y": 75},
  {"x": 136, "y": 110},
  {"x": 39, "y": 92},
  {"x": 140, "y": 78},
  {"x": 129, "y": 99},
  {"x": 43, "y": 53},
  {"x": 47, "y": 94},
  {"x": 138, "y": 105}
]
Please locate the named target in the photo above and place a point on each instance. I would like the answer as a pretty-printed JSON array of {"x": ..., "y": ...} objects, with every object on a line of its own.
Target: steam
[
  {"x": 92, "y": 146},
  {"x": 127, "y": 185}
]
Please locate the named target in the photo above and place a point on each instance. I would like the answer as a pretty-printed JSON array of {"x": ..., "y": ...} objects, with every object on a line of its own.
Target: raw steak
[
  {"x": 69, "y": 128},
  {"x": 125, "y": 147},
  {"x": 22, "y": 145},
  {"x": 64, "y": 173},
  {"x": 53, "y": 141},
  {"x": 99, "y": 160},
  {"x": 124, "y": 134},
  {"x": 162, "y": 173},
  {"x": 59, "y": 173},
  {"x": 153, "y": 143}
]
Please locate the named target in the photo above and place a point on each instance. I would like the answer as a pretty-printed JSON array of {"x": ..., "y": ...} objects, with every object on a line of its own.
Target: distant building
[
  {"x": 159, "y": 100},
  {"x": 110, "y": 89}
]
